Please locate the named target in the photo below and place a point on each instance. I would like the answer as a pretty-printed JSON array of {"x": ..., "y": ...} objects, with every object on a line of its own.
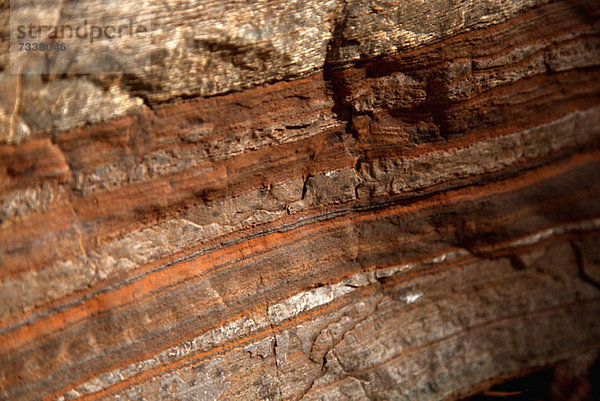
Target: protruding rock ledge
[{"x": 214, "y": 48}]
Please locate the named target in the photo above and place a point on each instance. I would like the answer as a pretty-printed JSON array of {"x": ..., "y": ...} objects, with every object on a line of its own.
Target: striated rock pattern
[{"x": 357, "y": 200}]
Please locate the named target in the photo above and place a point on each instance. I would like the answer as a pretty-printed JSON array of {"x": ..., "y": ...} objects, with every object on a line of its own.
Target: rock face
[{"x": 391, "y": 200}]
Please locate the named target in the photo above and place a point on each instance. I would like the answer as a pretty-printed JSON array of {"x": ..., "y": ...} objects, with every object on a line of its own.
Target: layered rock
[{"x": 400, "y": 207}]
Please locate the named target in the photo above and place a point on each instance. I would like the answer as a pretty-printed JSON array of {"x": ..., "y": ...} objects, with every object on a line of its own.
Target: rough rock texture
[{"x": 401, "y": 203}]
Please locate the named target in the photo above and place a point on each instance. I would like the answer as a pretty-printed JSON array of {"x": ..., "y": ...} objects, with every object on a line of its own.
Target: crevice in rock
[
  {"x": 581, "y": 268},
  {"x": 273, "y": 328}
]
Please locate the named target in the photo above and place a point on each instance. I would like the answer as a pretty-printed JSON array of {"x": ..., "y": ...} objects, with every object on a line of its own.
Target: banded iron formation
[{"x": 388, "y": 200}]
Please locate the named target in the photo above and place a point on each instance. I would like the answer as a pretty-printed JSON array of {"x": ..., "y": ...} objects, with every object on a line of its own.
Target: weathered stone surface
[
  {"x": 210, "y": 48},
  {"x": 380, "y": 207}
]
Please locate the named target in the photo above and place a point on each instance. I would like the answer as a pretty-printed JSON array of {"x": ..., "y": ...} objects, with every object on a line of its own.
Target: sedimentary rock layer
[
  {"x": 213, "y": 47},
  {"x": 407, "y": 225}
]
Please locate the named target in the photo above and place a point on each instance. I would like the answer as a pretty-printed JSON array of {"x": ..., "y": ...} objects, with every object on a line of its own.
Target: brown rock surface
[{"x": 408, "y": 209}]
